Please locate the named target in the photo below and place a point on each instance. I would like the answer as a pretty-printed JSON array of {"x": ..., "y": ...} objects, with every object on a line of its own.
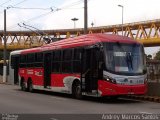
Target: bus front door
[
  {"x": 16, "y": 66},
  {"x": 90, "y": 71},
  {"x": 47, "y": 69}
]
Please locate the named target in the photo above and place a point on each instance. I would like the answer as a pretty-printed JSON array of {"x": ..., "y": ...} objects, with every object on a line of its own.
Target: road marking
[
  {"x": 59, "y": 98},
  {"x": 53, "y": 119},
  {"x": 145, "y": 113}
]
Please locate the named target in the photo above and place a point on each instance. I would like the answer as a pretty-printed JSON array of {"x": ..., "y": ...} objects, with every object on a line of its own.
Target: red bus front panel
[{"x": 110, "y": 89}]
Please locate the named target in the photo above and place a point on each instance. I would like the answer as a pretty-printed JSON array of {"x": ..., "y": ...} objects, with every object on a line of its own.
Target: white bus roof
[{"x": 17, "y": 52}]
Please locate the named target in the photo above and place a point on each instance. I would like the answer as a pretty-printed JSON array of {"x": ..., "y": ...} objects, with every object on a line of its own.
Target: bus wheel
[
  {"x": 114, "y": 97},
  {"x": 23, "y": 86},
  {"x": 30, "y": 86},
  {"x": 76, "y": 90}
]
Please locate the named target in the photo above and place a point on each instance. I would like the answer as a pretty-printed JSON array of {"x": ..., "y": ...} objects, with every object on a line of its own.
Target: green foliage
[
  {"x": 7, "y": 55},
  {"x": 1, "y": 55}
]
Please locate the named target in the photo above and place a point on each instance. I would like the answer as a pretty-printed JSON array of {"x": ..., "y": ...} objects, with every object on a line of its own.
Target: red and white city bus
[{"x": 94, "y": 65}]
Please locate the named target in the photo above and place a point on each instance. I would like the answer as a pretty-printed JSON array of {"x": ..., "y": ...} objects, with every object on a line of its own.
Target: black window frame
[
  {"x": 23, "y": 58},
  {"x": 31, "y": 58},
  {"x": 67, "y": 57},
  {"x": 67, "y": 61},
  {"x": 62, "y": 61},
  {"x": 76, "y": 62},
  {"x": 13, "y": 61},
  {"x": 39, "y": 57},
  {"x": 57, "y": 61},
  {"x": 30, "y": 62}
]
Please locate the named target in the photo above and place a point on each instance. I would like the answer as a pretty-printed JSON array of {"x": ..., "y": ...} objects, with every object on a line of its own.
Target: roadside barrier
[{"x": 146, "y": 98}]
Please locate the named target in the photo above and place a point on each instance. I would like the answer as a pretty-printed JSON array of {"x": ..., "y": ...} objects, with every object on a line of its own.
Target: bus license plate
[{"x": 130, "y": 93}]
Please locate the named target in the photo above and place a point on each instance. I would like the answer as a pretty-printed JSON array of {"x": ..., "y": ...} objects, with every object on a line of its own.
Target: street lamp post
[
  {"x": 74, "y": 20},
  {"x": 122, "y": 17},
  {"x": 4, "y": 52},
  {"x": 92, "y": 24},
  {"x": 85, "y": 16}
]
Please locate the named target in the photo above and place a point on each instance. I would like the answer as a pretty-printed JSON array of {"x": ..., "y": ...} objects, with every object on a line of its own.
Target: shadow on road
[
  {"x": 106, "y": 100},
  {"x": 110, "y": 100}
]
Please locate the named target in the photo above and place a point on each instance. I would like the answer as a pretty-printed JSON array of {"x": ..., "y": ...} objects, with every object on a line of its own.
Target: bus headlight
[
  {"x": 145, "y": 81},
  {"x": 109, "y": 79}
]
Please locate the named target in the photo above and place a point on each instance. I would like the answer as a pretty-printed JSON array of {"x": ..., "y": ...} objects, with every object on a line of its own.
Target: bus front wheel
[{"x": 76, "y": 90}]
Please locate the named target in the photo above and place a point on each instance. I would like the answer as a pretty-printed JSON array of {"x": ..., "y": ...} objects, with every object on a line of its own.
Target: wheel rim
[
  {"x": 30, "y": 87},
  {"x": 23, "y": 86},
  {"x": 78, "y": 91}
]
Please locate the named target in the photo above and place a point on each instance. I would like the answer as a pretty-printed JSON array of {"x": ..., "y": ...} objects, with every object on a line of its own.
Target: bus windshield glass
[{"x": 125, "y": 59}]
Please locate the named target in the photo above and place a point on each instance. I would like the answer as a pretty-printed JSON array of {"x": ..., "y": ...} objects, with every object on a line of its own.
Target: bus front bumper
[{"x": 109, "y": 89}]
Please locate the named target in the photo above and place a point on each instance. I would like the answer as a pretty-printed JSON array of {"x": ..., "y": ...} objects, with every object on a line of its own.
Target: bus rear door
[
  {"x": 47, "y": 69},
  {"x": 15, "y": 67}
]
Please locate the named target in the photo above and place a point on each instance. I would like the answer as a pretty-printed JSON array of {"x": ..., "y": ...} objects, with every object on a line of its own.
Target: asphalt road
[{"x": 13, "y": 100}]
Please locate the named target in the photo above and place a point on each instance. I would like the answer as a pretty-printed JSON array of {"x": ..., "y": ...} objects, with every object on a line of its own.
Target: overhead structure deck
[{"x": 146, "y": 32}]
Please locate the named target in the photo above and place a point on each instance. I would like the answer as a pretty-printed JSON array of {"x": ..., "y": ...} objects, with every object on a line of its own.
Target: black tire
[
  {"x": 76, "y": 90},
  {"x": 23, "y": 86},
  {"x": 114, "y": 97},
  {"x": 30, "y": 86}
]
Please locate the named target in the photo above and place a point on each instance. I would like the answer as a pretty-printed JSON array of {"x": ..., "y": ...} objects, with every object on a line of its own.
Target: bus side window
[
  {"x": 57, "y": 56},
  {"x": 30, "y": 59},
  {"x": 38, "y": 59},
  {"x": 67, "y": 61},
  {"x": 56, "y": 61},
  {"x": 22, "y": 60},
  {"x": 101, "y": 65},
  {"x": 12, "y": 62},
  {"x": 77, "y": 60},
  {"x": 67, "y": 55}
]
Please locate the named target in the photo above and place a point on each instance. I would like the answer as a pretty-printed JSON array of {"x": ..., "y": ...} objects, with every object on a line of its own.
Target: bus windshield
[{"x": 125, "y": 59}]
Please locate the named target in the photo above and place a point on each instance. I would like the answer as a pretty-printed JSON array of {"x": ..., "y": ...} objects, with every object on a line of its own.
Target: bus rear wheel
[
  {"x": 23, "y": 86},
  {"x": 30, "y": 86},
  {"x": 76, "y": 90}
]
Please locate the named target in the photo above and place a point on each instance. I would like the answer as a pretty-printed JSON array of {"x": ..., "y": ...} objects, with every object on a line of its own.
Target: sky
[{"x": 57, "y": 14}]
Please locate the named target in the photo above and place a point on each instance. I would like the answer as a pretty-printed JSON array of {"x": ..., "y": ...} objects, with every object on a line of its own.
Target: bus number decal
[
  {"x": 38, "y": 73},
  {"x": 30, "y": 72}
]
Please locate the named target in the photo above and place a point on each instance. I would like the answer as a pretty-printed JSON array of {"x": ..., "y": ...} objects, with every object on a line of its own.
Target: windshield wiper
[
  {"x": 129, "y": 60},
  {"x": 129, "y": 57}
]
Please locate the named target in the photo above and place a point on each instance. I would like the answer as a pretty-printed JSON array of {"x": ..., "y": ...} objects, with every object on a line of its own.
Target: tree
[
  {"x": 1, "y": 55},
  {"x": 149, "y": 57},
  {"x": 157, "y": 57},
  {"x": 7, "y": 55}
]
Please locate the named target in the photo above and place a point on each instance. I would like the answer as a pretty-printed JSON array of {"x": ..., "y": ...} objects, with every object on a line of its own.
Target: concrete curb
[
  {"x": 146, "y": 98},
  {"x": 5, "y": 83}
]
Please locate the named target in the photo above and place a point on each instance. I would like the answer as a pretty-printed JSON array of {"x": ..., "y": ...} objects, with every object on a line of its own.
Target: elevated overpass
[{"x": 146, "y": 32}]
